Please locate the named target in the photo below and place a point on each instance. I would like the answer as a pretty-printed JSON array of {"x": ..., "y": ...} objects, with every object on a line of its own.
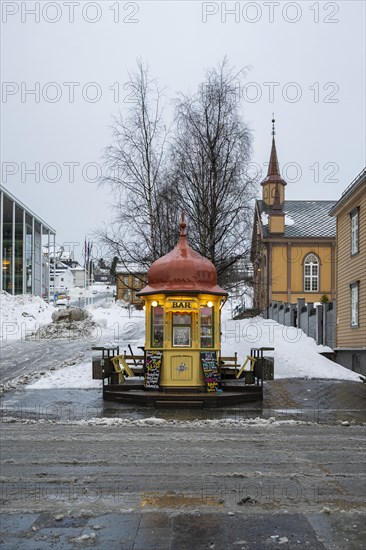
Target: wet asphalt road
[
  {"x": 181, "y": 481},
  {"x": 183, "y": 485}
]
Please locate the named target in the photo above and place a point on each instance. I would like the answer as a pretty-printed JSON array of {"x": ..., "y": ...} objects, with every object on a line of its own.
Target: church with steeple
[{"x": 293, "y": 244}]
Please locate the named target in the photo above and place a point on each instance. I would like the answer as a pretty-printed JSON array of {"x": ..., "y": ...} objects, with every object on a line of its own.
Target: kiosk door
[{"x": 181, "y": 368}]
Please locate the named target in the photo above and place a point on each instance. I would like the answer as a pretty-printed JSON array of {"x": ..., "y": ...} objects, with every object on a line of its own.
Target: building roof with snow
[
  {"x": 302, "y": 218},
  {"x": 130, "y": 268},
  {"x": 354, "y": 186}
]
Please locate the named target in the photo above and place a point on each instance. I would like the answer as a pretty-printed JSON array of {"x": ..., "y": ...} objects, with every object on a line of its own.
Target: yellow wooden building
[
  {"x": 130, "y": 278},
  {"x": 350, "y": 213},
  {"x": 293, "y": 244}
]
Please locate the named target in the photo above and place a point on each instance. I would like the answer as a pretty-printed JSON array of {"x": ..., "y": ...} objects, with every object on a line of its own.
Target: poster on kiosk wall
[
  {"x": 211, "y": 370},
  {"x": 152, "y": 374}
]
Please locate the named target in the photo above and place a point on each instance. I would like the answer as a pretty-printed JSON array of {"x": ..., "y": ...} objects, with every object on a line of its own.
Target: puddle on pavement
[
  {"x": 158, "y": 500},
  {"x": 326, "y": 402}
]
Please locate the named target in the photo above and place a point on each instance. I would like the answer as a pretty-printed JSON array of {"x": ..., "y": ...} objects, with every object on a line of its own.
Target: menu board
[
  {"x": 152, "y": 371},
  {"x": 211, "y": 370}
]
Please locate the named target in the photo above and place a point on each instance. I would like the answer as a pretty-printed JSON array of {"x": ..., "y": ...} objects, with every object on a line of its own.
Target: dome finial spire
[{"x": 183, "y": 226}]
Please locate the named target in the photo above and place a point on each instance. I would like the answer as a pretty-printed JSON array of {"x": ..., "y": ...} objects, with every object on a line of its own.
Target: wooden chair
[
  {"x": 121, "y": 367},
  {"x": 247, "y": 366}
]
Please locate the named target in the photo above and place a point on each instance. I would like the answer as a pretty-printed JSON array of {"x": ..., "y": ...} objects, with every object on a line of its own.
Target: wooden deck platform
[{"x": 233, "y": 392}]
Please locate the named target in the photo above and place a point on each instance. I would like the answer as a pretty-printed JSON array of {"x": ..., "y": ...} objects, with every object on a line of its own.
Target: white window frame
[
  {"x": 311, "y": 273},
  {"x": 355, "y": 231},
  {"x": 355, "y": 296}
]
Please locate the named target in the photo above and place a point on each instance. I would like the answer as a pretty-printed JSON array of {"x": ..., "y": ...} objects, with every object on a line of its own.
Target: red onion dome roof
[{"x": 182, "y": 270}]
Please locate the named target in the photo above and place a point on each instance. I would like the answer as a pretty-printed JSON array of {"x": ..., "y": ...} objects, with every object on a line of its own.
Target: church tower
[
  {"x": 273, "y": 180},
  {"x": 276, "y": 218}
]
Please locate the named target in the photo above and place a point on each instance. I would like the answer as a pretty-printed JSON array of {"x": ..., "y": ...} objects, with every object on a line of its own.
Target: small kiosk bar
[{"x": 183, "y": 304}]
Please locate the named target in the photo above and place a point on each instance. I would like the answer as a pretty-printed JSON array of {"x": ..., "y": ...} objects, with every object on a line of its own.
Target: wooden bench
[
  {"x": 229, "y": 366},
  {"x": 136, "y": 363},
  {"x": 122, "y": 368},
  {"x": 247, "y": 369},
  {"x": 232, "y": 369},
  {"x": 116, "y": 367}
]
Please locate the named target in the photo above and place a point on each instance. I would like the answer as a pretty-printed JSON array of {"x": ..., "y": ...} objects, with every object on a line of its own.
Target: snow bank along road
[
  {"x": 22, "y": 357},
  {"x": 245, "y": 467}
]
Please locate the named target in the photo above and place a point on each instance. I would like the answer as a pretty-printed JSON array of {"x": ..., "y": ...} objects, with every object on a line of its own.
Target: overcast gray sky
[{"x": 307, "y": 64}]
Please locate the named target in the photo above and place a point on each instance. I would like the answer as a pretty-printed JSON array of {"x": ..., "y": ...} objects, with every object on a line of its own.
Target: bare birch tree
[
  {"x": 205, "y": 174},
  {"x": 134, "y": 169},
  {"x": 211, "y": 152}
]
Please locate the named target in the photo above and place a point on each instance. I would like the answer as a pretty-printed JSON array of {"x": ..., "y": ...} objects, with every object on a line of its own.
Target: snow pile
[
  {"x": 207, "y": 423},
  {"x": 22, "y": 314},
  {"x": 295, "y": 354},
  {"x": 153, "y": 422},
  {"x": 68, "y": 328},
  {"x": 27, "y": 316}
]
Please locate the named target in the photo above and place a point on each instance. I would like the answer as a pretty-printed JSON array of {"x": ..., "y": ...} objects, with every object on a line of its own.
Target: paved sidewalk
[{"x": 183, "y": 531}]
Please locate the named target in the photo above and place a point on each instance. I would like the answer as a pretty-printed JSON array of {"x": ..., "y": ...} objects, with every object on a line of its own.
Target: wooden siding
[
  {"x": 279, "y": 269},
  {"x": 288, "y": 271},
  {"x": 349, "y": 270},
  {"x": 298, "y": 255}
]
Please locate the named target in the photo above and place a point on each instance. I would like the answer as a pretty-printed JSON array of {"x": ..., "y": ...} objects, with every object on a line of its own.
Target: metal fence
[{"x": 318, "y": 321}]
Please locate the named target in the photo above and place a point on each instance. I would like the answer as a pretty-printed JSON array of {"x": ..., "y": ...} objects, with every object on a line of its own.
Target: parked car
[{"x": 62, "y": 302}]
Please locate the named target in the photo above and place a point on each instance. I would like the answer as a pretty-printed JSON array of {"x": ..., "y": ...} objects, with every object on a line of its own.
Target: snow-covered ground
[
  {"x": 117, "y": 318},
  {"x": 73, "y": 376},
  {"x": 296, "y": 355}
]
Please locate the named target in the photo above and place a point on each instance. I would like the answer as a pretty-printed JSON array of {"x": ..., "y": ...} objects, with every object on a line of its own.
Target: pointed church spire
[
  {"x": 273, "y": 184},
  {"x": 273, "y": 168}
]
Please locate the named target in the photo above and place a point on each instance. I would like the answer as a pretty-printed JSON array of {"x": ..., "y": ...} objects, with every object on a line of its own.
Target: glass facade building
[{"x": 23, "y": 235}]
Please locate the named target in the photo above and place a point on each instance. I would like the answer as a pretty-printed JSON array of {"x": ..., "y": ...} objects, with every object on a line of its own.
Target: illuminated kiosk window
[
  {"x": 157, "y": 327},
  {"x": 207, "y": 327},
  {"x": 182, "y": 330}
]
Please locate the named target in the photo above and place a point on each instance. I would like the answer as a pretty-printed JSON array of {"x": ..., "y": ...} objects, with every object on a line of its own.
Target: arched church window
[{"x": 311, "y": 273}]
